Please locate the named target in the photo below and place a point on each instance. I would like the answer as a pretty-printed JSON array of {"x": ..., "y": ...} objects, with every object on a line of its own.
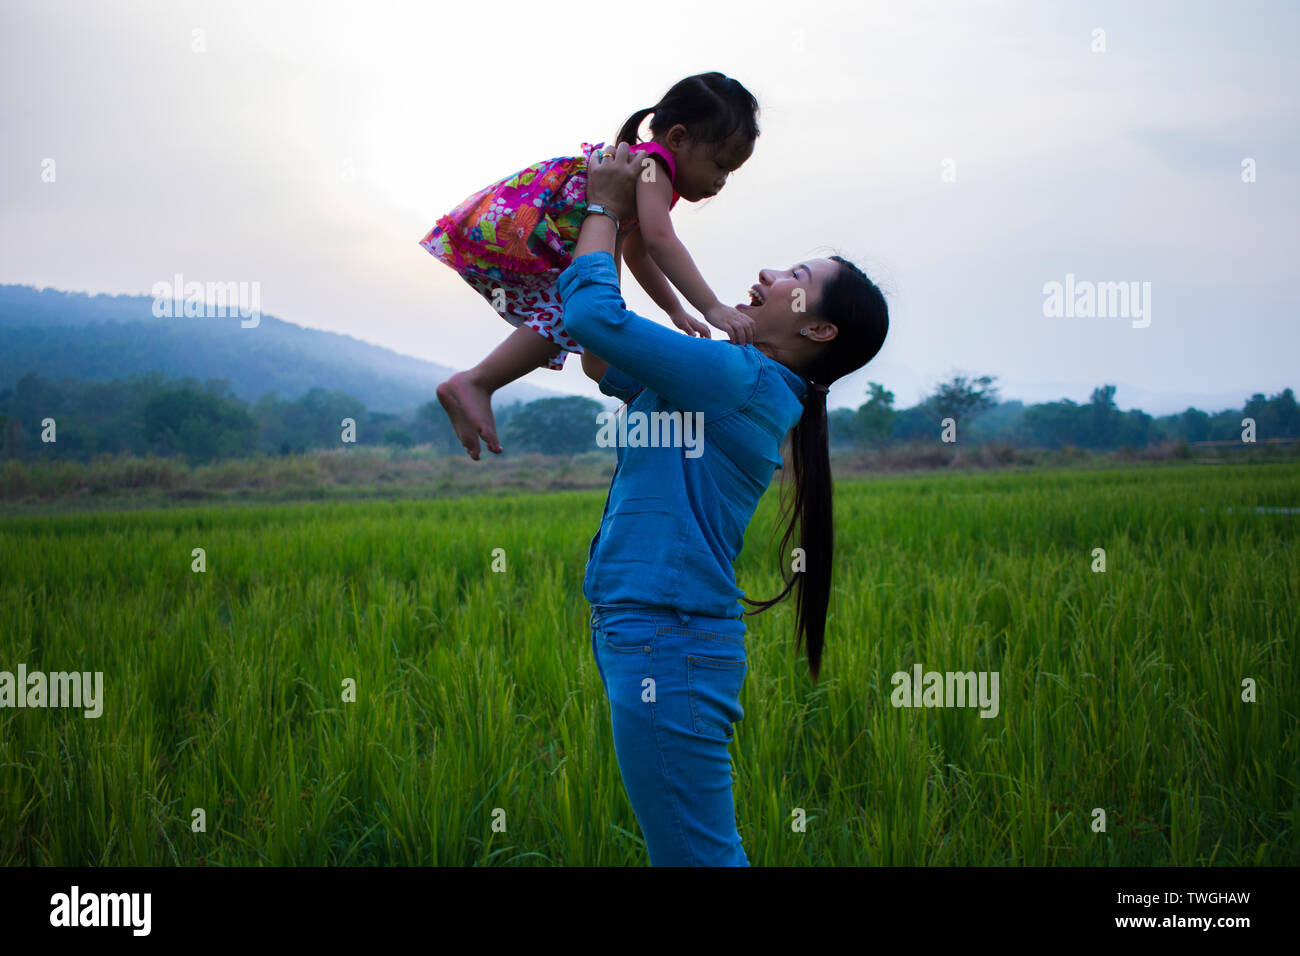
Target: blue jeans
[{"x": 673, "y": 681}]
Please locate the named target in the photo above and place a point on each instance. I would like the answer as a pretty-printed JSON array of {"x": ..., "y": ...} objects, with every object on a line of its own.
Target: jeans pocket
[
  {"x": 626, "y": 637},
  {"x": 714, "y": 685}
]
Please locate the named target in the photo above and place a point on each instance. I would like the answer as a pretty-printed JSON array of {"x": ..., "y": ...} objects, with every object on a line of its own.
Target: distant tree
[
  {"x": 917, "y": 423},
  {"x": 875, "y": 419},
  {"x": 1275, "y": 417},
  {"x": 962, "y": 400},
  {"x": 398, "y": 437},
  {"x": 1052, "y": 424},
  {"x": 319, "y": 414},
  {"x": 1001, "y": 423},
  {"x": 199, "y": 425},
  {"x": 504, "y": 412},
  {"x": 1194, "y": 425},
  {"x": 8, "y": 433},
  {"x": 1131, "y": 429},
  {"x": 36, "y": 393},
  {"x": 1286, "y": 414},
  {"x": 380, "y": 427},
  {"x": 1226, "y": 425},
  {"x": 1256, "y": 407},
  {"x": 201, "y": 417},
  {"x": 562, "y": 426},
  {"x": 273, "y": 434},
  {"x": 1095, "y": 425},
  {"x": 842, "y": 426}
]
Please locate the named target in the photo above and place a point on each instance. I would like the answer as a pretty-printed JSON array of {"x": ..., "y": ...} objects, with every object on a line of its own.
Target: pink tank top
[{"x": 667, "y": 157}]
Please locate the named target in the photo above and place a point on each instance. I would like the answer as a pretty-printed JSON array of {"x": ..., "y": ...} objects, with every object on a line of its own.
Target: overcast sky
[{"x": 309, "y": 146}]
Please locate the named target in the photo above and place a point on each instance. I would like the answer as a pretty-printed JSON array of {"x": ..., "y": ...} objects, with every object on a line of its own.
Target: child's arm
[
  {"x": 655, "y": 283},
  {"x": 653, "y": 199}
]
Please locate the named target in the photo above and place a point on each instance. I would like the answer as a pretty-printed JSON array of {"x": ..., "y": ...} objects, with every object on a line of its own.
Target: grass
[{"x": 477, "y": 698}]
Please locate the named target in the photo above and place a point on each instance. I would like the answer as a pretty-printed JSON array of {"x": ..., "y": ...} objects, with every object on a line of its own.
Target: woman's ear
[{"x": 820, "y": 330}]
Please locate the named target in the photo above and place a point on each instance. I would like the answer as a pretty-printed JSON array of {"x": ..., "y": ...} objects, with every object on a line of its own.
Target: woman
[{"x": 668, "y": 630}]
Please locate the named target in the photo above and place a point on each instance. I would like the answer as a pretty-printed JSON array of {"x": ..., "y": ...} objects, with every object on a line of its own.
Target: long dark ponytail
[
  {"x": 711, "y": 106},
  {"x": 856, "y": 307}
]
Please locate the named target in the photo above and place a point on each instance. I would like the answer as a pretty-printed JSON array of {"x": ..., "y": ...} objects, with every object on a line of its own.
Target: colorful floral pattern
[{"x": 518, "y": 235}]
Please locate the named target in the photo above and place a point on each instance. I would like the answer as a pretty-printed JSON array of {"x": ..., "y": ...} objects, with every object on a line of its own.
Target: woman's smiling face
[{"x": 785, "y": 299}]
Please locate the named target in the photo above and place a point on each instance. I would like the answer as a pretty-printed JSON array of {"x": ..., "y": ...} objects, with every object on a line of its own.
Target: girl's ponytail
[
  {"x": 711, "y": 106},
  {"x": 629, "y": 131}
]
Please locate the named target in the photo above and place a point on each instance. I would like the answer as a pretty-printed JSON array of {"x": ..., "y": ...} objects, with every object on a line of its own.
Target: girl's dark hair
[
  {"x": 710, "y": 105},
  {"x": 856, "y": 306}
]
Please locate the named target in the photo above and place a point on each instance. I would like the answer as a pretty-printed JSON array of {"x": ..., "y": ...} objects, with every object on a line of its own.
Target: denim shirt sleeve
[
  {"x": 619, "y": 384},
  {"x": 694, "y": 374}
]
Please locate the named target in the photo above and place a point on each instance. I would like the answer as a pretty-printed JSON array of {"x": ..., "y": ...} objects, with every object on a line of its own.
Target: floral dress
[{"x": 511, "y": 240}]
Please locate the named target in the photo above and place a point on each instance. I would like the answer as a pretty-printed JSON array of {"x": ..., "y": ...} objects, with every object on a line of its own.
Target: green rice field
[{"x": 479, "y": 731}]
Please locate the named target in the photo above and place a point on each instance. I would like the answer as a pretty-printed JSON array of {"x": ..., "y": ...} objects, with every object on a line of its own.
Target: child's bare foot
[{"x": 470, "y": 409}]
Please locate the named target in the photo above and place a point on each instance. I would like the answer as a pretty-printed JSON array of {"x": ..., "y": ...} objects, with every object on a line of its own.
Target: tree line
[
  {"x": 1098, "y": 424},
  {"x": 204, "y": 422}
]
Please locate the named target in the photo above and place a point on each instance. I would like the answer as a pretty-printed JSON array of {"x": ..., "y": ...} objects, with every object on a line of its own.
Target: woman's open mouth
[{"x": 756, "y": 298}]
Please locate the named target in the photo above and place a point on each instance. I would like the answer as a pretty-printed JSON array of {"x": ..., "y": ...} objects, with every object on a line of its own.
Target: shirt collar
[{"x": 798, "y": 384}]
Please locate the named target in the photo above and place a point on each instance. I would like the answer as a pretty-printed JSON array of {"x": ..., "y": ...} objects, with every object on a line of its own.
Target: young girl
[{"x": 511, "y": 240}]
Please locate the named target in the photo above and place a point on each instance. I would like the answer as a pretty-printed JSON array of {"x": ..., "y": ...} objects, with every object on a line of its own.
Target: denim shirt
[{"x": 675, "y": 517}]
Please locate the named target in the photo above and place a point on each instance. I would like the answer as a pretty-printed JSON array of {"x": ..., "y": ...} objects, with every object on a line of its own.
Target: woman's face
[{"x": 783, "y": 301}]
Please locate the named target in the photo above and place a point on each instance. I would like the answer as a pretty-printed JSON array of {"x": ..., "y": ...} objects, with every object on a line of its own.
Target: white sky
[{"x": 229, "y": 165}]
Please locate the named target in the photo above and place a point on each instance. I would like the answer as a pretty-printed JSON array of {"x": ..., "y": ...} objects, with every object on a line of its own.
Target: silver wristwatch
[{"x": 598, "y": 208}]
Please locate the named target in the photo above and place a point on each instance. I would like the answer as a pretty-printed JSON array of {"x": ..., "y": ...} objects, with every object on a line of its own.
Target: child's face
[{"x": 703, "y": 168}]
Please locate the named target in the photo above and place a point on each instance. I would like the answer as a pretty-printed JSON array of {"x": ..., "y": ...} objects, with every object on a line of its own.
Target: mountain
[{"x": 103, "y": 337}]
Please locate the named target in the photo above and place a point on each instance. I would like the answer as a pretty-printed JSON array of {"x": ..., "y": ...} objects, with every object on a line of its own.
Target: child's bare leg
[{"x": 467, "y": 395}]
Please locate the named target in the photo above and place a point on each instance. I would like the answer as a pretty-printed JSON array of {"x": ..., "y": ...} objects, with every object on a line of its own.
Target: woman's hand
[{"x": 611, "y": 180}]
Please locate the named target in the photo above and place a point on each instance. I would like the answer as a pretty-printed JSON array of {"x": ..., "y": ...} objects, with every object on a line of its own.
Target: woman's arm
[
  {"x": 695, "y": 374},
  {"x": 593, "y": 366},
  {"x": 611, "y": 380}
]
